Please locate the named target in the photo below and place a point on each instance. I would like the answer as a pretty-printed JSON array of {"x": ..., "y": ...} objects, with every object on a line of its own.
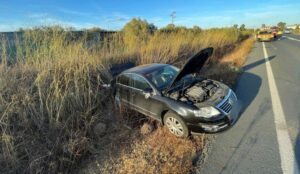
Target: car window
[
  {"x": 140, "y": 83},
  {"x": 124, "y": 79},
  {"x": 265, "y": 32}
]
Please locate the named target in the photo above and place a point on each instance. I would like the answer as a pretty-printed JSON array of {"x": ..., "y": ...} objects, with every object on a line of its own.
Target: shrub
[{"x": 137, "y": 32}]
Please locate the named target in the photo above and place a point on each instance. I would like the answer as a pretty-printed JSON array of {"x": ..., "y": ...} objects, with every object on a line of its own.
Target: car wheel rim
[{"x": 174, "y": 126}]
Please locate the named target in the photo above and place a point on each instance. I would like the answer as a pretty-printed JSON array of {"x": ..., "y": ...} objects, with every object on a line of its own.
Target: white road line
[
  {"x": 287, "y": 155},
  {"x": 293, "y": 39}
]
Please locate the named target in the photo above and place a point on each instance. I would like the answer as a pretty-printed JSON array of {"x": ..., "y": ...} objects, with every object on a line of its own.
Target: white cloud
[
  {"x": 117, "y": 17},
  {"x": 49, "y": 21},
  {"x": 37, "y": 15},
  {"x": 74, "y": 12}
]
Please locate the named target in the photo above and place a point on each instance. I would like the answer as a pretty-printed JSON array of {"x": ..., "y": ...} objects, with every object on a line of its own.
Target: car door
[
  {"x": 149, "y": 106},
  {"x": 123, "y": 90}
]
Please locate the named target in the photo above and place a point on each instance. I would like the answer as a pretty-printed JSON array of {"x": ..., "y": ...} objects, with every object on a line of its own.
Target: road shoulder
[{"x": 251, "y": 145}]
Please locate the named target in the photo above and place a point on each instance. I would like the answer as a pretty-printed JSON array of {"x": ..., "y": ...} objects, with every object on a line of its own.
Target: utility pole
[{"x": 173, "y": 16}]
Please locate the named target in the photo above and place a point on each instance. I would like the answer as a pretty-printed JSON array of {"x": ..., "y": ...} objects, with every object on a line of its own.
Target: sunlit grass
[{"x": 51, "y": 95}]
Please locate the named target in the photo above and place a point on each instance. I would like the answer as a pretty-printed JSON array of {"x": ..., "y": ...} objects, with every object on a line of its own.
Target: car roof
[{"x": 144, "y": 69}]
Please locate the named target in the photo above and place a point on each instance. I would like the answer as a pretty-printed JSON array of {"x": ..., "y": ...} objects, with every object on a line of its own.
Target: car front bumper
[
  {"x": 265, "y": 39},
  {"x": 227, "y": 121}
]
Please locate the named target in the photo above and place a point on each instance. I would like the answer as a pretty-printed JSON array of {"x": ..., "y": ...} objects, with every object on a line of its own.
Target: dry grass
[
  {"x": 174, "y": 47},
  {"x": 51, "y": 99},
  {"x": 48, "y": 114},
  {"x": 49, "y": 103},
  {"x": 154, "y": 154},
  {"x": 238, "y": 56}
]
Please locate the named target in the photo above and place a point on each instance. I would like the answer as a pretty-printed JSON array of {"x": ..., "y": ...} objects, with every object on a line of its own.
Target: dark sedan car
[{"x": 180, "y": 99}]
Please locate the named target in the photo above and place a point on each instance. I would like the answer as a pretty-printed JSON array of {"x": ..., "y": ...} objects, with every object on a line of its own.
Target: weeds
[
  {"x": 155, "y": 154},
  {"x": 238, "y": 57},
  {"x": 51, "y": 96}
]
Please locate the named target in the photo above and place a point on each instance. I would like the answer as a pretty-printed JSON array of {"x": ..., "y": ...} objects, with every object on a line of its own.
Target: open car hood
[{"x": 193, "y": 65}]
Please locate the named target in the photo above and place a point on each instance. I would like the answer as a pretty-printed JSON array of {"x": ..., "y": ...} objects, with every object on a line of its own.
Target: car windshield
[
  {"x": 264, "y": 32},
  {"x": 163, "y": 76}
]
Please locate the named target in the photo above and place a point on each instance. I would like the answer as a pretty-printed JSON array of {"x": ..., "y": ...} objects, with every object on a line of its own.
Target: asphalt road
[{"x": 266, "y": 139}]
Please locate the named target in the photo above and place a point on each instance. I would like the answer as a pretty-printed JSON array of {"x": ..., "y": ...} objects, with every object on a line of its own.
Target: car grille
[{"x": 227, "y": 104}]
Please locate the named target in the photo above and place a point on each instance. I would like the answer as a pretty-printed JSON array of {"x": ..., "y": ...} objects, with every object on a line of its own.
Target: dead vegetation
[
  {"x": 154, "y": 154},
  {"x": 51, "y": 99},
  {"x": 237, "y": 58}
]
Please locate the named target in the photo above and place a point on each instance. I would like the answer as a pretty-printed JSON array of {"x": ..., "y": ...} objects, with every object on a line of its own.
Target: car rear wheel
[{"x": 176, "y": 125}]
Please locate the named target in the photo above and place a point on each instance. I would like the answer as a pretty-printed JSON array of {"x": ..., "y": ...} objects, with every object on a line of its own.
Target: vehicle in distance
[
  {"x": 265, "y": 36},
  {"x": 182, "y": 100},
  {"x": 287, "y": 31},
  {"x": 279, "y": 33}
]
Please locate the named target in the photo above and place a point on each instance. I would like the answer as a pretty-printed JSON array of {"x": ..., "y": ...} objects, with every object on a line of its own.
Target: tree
[
  {"x": 21, "y": 29},
  {"x": 243, "y": 27},
  {"x": 196, "y": 28},
  {"x": 297, "y": 29},
  {"x": 170, "y": 27},
  {"x": 281, "y": 25},
  {"x": 263, "y": 25},
  {"x": 94, "y": 30},
  {"x": 235, "y": 26},
  {"x": 137, "y": 32}
]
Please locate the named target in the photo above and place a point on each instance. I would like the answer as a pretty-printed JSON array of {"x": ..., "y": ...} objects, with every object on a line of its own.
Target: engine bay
[{"x": 197, "y": 92}]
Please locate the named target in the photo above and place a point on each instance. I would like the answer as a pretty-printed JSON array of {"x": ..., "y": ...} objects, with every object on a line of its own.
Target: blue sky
[{"x": 113, "y": 14}]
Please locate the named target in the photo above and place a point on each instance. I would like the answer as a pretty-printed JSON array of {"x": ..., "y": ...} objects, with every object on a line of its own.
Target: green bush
[{"x": 137, "y": 33}]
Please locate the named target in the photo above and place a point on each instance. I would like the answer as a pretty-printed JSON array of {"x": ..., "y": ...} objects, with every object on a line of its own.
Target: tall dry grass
[
  {"x": 51, "y": 96},
  {"x": 159, "y": 152},
  {"x": 238, "y": 56},
  {"x": 175, "y": 46}
]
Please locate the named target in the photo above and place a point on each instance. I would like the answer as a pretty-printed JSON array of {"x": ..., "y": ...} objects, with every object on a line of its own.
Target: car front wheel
[{"x": 176, "y": 125}]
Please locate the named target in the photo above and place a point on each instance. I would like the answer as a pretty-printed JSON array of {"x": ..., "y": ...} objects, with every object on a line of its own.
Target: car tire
[{"x": 176, "y": 125}]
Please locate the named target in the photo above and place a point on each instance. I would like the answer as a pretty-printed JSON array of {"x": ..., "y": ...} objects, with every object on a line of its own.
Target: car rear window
[
  {"x": 264, "y": 32},
  {"x": 124, "y": 79}
]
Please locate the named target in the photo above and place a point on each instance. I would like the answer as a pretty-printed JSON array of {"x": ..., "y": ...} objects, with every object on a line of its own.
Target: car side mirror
[{"x": 147, "y": 92}]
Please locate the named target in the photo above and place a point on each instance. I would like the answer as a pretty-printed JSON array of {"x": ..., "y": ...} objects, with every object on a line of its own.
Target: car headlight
[{"x": 206, "y": 112}]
